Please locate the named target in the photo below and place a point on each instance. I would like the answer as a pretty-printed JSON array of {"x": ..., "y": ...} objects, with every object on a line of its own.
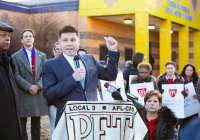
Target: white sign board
[
  {"x": 118, "y": 83},
  {"x": 173, "y": 98},
  {"x": 83, "y": 120},
  {"x": 140, "y": 90},
  {"x": 130, "y": 78},
  {"x": 191, "y": 104}
]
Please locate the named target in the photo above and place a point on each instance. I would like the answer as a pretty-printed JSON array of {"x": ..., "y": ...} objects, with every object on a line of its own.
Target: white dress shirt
[
  {"x": 29, "y": 58},
  {"x": 70, "y": 59}
]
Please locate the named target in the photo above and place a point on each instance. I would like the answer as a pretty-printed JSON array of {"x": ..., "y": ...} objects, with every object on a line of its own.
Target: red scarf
[{"x": 32, "y": 57}]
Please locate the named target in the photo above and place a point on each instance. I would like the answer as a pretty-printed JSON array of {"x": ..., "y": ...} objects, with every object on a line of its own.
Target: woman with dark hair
[
  {"x": 131, "y": 67},
  {"x": 160, "y": 121},
  {"x": 144, "y": 70},
  {"x": 170, "y": 76},
  {"x": 190, "y": 75}
]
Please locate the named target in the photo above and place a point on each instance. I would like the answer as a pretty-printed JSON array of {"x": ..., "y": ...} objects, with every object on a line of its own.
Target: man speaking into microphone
[{"x": 74, "y": 78}]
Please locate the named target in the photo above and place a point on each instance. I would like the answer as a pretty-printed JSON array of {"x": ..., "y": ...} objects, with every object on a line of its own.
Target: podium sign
[{"x": 100, "y": 121}]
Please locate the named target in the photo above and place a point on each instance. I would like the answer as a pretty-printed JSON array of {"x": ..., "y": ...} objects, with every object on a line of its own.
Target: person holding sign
[
  {"x": 131, "y": 68},
  {"x": 190, "y": 75},
  {"x": 160, "y": 121},
  {"x": 170, "y": 76},
  {"x": 144, "y": 70}
]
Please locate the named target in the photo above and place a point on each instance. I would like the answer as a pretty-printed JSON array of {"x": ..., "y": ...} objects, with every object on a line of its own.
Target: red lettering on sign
[
  {"x": 172, "y": 92},
  {"x": 142, "y": 91},
  {"x": 186, "y": 92}
]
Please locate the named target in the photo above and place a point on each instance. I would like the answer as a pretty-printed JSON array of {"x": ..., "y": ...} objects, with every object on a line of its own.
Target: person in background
[
  {"x": 28, "y": 75},
  {"x": 64, "y": 81},
  {"x": 52, "y": 105},
  {"x": 170, "y": 76},
  {"x": 10, "y": 128},
  {"x": 82, "y": 51},
  {"x": 198, "y": 89},
  {"x": 144, "y": 70},
  {"x": 160, "y": 121},
  {"x": 57, "y": 50},
  {"x": 190, "y": 75},
  {"x": 151, "y": 61},
  {"x": 131, "y": 67}
]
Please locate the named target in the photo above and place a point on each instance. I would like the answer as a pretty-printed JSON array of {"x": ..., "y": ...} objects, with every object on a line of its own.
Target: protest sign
[
  {"x": 118, "y": 83},
  {"x": 140, "y": 90},
  {"x": 173, "y": 98}
]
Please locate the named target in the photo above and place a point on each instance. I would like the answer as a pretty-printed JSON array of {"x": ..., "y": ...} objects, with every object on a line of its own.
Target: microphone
[
  {"x": 117, "y": 96},
  {"x": 76, "y": 58},
  {"x": 111, "y": 88}
]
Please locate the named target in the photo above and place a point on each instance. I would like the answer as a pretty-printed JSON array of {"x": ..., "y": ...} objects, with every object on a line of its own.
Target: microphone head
[
  {"x": 77, "y": 57},
  {"x": 106, "y": 85},
  {"x": 116, "y": 95}
]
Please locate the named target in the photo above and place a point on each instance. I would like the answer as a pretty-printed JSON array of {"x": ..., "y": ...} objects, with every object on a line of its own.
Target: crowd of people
[{"x": 32, "y": 86}]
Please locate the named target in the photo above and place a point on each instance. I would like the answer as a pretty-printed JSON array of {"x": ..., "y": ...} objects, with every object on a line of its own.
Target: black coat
[
  {"x": 129, "y": 70},
  {"x": 166, "y": 128},
  {"x": 137, "y": 79},
  {"x": 162, "y": 80},
  {"x": 10, "y": 128}
]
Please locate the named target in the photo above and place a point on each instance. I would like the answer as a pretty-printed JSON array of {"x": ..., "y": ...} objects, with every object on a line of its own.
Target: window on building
[
  {"x": 103, "y": 50},
  {"x": 128, "y": 54}
]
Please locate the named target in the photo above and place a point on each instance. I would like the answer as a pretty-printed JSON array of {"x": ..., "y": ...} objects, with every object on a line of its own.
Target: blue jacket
[
  {"x": 59, "y": 84},
  {"x": 130, "y": 70}
]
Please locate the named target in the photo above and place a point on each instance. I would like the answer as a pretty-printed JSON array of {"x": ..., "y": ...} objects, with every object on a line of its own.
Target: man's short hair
[
  {"x": 170, "y": 63},
  {"x": 28, "y": 29},
  {"x": 67, "y": 29}
]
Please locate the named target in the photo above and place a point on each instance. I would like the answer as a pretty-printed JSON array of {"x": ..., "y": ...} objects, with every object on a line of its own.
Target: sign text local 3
[{"x": 100, "y": 121}]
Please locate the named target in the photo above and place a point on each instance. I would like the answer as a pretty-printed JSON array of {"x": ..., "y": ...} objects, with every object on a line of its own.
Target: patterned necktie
[{"x": 83, "y": 80}]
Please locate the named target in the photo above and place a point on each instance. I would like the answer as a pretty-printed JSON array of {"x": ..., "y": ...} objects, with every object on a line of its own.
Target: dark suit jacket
[
  {"x": 59, "y": 84},
  {"x": 10, "y": 125}
]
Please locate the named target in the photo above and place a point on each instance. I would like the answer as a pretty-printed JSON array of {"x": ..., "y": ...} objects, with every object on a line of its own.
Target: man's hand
[
  {"x": 79, "y": 74},
  {"x": 33, "y": 89},
  {"x": 111, "y": 43}
]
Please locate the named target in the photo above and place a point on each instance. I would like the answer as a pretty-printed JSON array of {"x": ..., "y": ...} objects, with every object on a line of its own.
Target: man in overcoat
[
  {"x": 28, "y": 74},
  {"x": 9, "y": 118}
]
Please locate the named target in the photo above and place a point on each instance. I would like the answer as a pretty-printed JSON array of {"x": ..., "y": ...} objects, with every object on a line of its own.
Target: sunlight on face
[
  {"x": 152, "y": 104},
  {"x": 69, "y": 43},
  {"x": 170, "y": 69},
  {"x": 189, "y": 71}
]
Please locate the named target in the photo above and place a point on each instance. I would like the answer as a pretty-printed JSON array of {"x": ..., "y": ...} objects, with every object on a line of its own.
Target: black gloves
[
  {"x": 183, "y": 93},
  {"x": 161, "y": 91}
]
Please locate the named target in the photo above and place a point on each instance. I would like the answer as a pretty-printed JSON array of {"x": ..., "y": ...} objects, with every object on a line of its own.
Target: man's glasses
[{"x": 58, "y": 50}]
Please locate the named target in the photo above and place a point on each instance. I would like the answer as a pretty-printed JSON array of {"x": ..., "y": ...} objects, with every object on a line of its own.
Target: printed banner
[
  {"x": 130, "y": 77},
  {"x": 173, "y": 98},
  {"x": 191, "y": 104},
  {"x": 118, "y": 83},
  {"x": 116, "y": 120},
  {"x": 140, "y": 90}
]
